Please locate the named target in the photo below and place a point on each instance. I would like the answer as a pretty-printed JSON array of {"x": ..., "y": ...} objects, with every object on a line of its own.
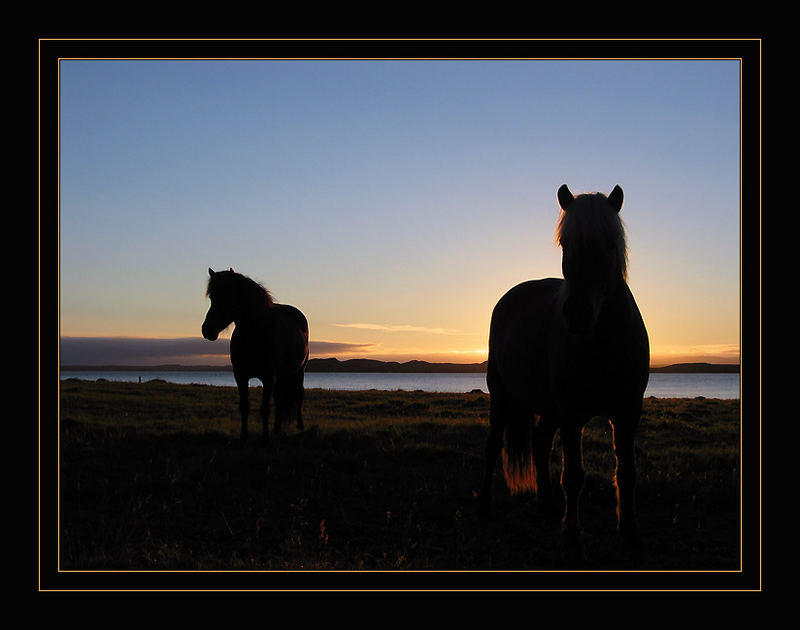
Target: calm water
[{"x": 660, "y": 385}]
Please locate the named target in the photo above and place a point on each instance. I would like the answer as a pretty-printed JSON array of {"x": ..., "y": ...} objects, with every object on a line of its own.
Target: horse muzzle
[{"x": 209, "y": 333}]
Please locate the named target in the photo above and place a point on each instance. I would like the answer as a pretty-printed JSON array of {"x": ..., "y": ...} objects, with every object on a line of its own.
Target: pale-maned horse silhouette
[
  {"x": 562, "y": 352},
  {"x": 269, "y": 342}
]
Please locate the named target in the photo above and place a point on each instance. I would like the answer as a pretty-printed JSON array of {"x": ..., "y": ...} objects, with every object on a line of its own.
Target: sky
[{"x": 393, "y": 202}]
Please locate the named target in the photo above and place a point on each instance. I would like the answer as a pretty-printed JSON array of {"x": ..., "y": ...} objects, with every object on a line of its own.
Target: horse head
[
  {"x": 220, "y": 314},
  {"x": 594, "y": 254}
]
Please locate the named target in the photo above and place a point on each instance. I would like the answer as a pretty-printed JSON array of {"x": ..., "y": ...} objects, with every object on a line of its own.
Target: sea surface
[{"x": 661, "y": 385}]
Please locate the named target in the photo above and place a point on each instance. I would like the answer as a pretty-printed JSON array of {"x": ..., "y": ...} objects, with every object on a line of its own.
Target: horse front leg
[
  {"x": 625, "y": 476},
  {"x": 572, "y": 478}
]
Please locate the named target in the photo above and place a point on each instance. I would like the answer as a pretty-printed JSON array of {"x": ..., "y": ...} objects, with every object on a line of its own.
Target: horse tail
[
  {"x": 511, "y": 434},
  {"x": 289, "y": 394},
  {"x": 518, "y": 465},
  {"x": 283, "y": 399}
]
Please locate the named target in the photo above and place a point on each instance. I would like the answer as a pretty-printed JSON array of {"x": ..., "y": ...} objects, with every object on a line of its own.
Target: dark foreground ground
[{"x": 153, "y": 476}]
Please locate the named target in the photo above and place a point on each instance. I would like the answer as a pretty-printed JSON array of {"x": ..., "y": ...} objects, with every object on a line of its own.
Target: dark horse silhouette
[
  {"x": 269, "y": 342},
  {"x": 562, "y": 352}
]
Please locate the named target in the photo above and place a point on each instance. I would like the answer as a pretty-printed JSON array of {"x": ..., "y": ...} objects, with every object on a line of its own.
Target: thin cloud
[
  {"x": 139, "y": 351},
  {"x": 317, "y": 348},
  {"x": 87, "y": 351},
  {"x": 403, "y": 328},
  {"x": 719, "y": 350}
]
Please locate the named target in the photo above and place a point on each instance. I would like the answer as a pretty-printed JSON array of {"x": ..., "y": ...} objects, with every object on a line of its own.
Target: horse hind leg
[
  {"x": 298, "y": 398},
  {"x": 285, "y": 401},
  {"x": 265, "y": 410},
  {"x": 289, "y": 390},
  {"x": 572, "y": 479},
  {"x": 625, "y": 479}
]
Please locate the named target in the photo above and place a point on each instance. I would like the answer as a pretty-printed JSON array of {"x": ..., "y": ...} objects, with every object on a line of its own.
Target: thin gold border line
[
  {"x": 490, "y": 571},
  {"x": 39, "y": 317},
  {"x": 402, "y": 39},
  {"x": 741, "y": 312},
  {"x": 398, "y": 590},
  {"x": 760, "y": 291},
  {"x": 408, "y": 59},
  {"x": 108, "y": 58},
  {"x": 403, "y": 572}
]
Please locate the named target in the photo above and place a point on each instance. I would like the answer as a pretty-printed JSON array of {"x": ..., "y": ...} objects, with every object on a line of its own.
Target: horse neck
[
  {"x": 612, "y": 310},
  {"x": 617, "y": 301},
  {"x": 254, "y": 313}
]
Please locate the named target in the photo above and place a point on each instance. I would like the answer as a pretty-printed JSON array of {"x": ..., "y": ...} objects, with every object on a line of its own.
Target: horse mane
[
  {"x": 589, "y": 221},
  {"x": 248, "y": 289}
]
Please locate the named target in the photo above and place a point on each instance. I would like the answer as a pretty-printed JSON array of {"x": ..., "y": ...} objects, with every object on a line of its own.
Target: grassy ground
[{"x": 153, "y": 476}]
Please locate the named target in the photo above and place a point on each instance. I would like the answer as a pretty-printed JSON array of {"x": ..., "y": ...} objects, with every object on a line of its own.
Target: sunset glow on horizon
[
  {"x": 393, "y": 202},
  {"x": 77, "y": 353}
]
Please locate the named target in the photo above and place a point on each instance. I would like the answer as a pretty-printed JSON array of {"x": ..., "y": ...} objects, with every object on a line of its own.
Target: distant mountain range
[
  {"x": 371, "y": 365},
  {"x": 707, "y": 368}
]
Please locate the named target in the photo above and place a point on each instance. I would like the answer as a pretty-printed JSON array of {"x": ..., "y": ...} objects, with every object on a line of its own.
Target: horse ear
[
  {"x": 615, "y": 198},
  {"x": 565, "y": 197},
  {"x": 231, "y": 268},
  {"x": 210, "y": 271}
]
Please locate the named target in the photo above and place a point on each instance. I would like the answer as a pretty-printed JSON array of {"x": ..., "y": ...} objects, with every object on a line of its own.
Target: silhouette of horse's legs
[
  {"x": 498, "y": 417},
  {"x": 543, "y": 434},
  {"x": 625, "y": 476},
  {"x": 244, "y": 402},
  {"x": 289, "y": 391},
  {"x": 572, "y": 477}
]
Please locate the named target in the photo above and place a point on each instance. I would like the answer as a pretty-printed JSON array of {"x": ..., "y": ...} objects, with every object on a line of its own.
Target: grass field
[{"x": 153, "y": 476}]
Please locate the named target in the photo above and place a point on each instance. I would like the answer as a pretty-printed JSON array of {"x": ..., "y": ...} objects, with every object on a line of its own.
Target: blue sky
[{"x": 394, "y": 202}]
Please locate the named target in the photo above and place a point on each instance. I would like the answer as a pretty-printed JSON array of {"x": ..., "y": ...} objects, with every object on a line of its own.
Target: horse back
[
  {"x": 536, "y": 362},
  {"x": 518, "y": 341},
  {"x": 293, "y": 317},
  {"x": 275, "y": 343},
  {"x": 292, "y": 329}
]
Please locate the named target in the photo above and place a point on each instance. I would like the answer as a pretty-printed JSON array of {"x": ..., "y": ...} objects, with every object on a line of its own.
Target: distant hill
[
  {"x": 371, "y": 365},
  {"x": 707, "y": 368}
]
